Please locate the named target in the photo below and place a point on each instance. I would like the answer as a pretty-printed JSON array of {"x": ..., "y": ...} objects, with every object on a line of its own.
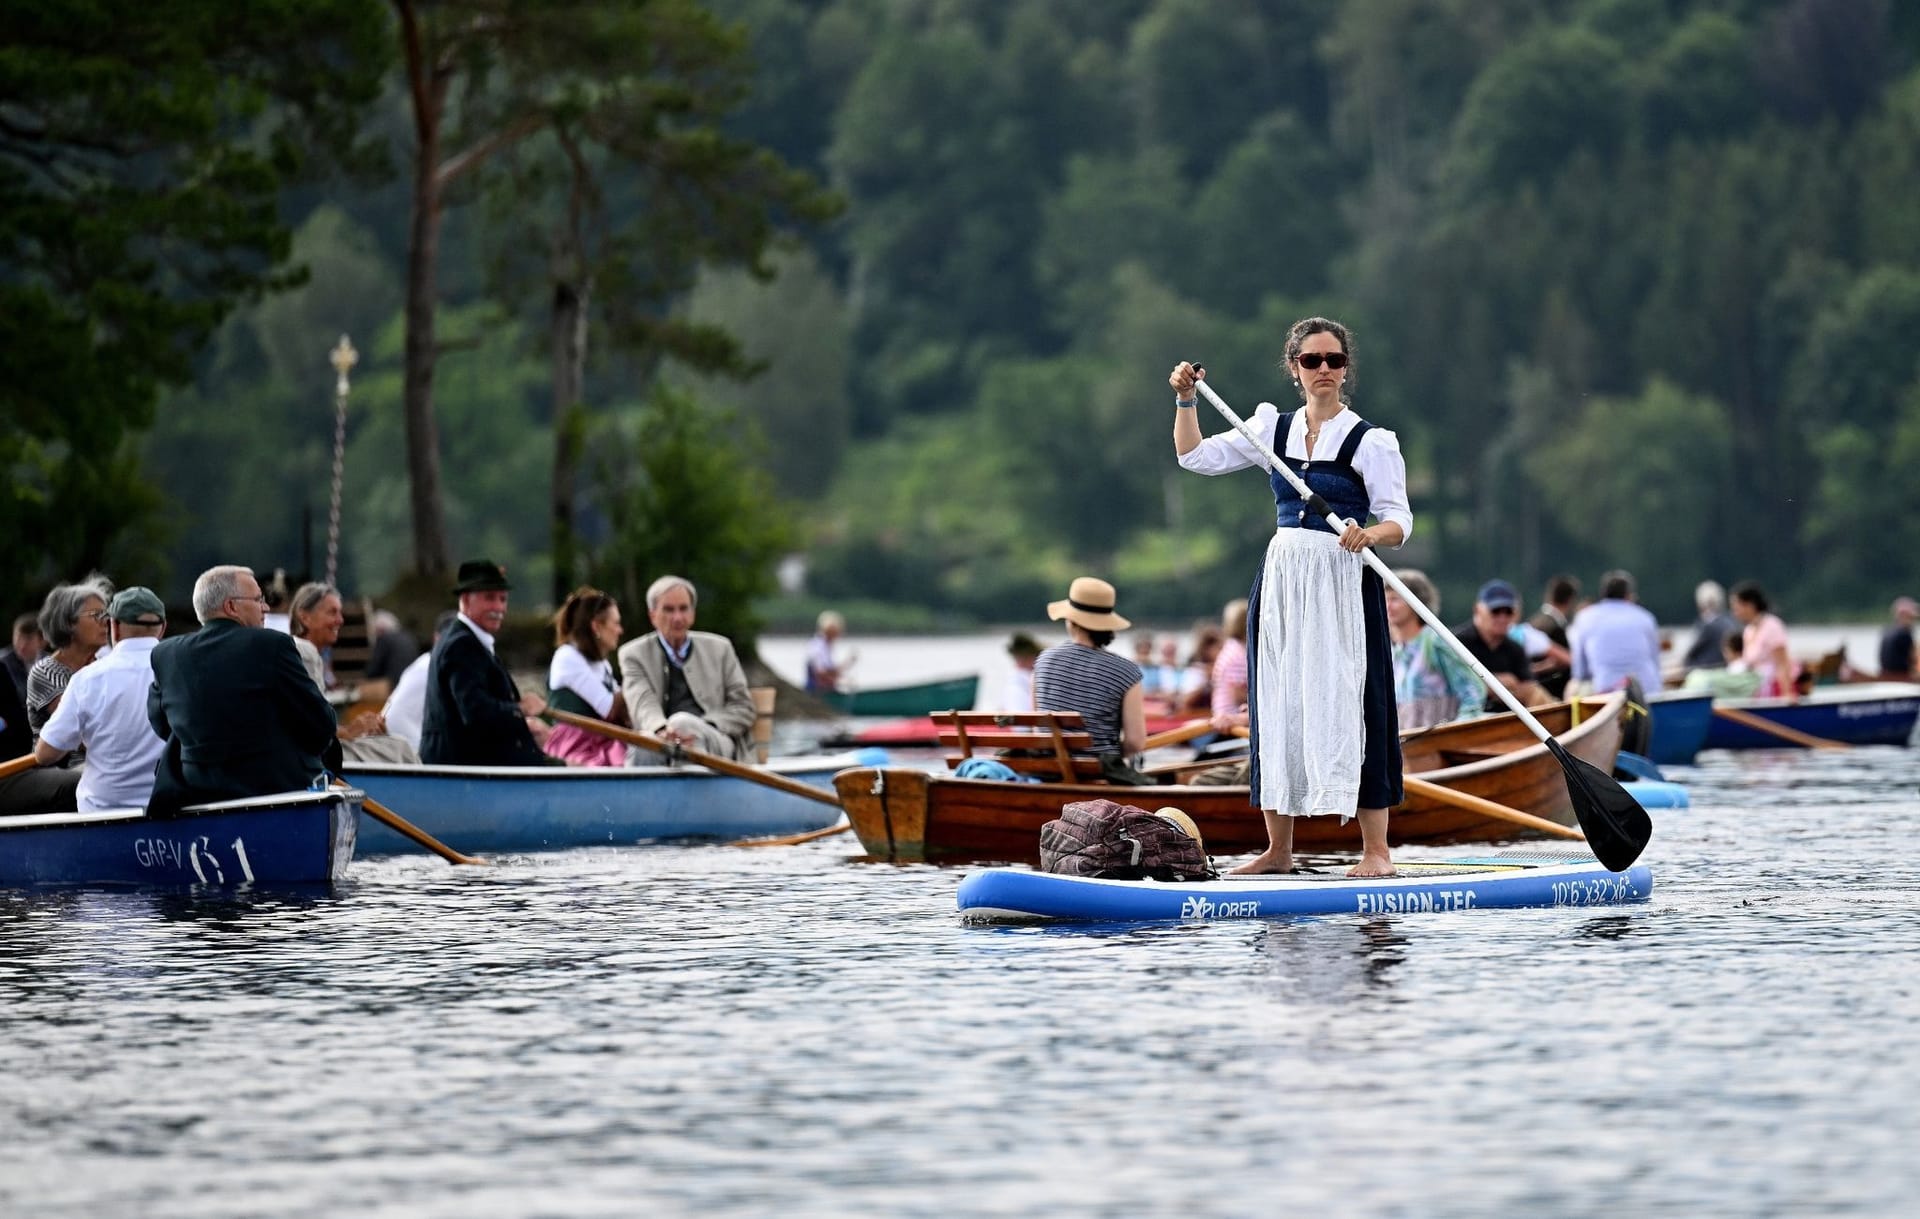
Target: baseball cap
[
  {"x": 137, "y": 606},
  {"x": 1497, "y": 594}
]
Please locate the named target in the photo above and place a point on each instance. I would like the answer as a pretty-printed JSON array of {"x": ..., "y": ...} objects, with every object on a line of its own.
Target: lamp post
[{"x": 343, "y": 357}]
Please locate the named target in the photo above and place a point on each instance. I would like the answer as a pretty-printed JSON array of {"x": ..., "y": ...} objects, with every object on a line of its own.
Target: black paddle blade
[{"x": 1617, "y": 828}]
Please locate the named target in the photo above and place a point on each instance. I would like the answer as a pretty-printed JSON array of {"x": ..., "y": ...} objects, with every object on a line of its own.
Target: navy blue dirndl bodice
[{"x": 1335, "y": 481}]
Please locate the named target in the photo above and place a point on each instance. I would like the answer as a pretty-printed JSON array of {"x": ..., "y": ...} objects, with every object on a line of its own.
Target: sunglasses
[
  {"x": 1500, "y": 609},
  {"x": 1313, "y": 359}
]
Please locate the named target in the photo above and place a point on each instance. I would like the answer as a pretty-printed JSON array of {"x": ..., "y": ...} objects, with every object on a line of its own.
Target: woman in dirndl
[{"x": 1320, "y": 661}]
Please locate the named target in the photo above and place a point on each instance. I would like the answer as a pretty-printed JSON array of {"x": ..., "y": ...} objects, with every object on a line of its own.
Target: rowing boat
[
  {"x": 1679, "y": 722},
  {"x": 921, "y": 698},
  {"x": 908, "y": 815},
  {"x": 552, "y": 808},
  {"x": 920, "y": 732},
  {"x": 1507, "y": 880},
  {"x": 289, "y": 839},
  {"x": 1866, "y": 713}
]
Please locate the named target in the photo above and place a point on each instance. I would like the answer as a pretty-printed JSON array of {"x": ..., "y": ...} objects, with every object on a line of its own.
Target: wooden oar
[
  {"x": 1488, "y": 808},
  {"x": 752, "y": 774},
  {"x": 18, "y": 766},
  {"x": 400, "y": 825},
  {"x": 1617, "y": 827},
  {"x": 1178, "y": 736},
  {"x": 794, "y": 840},
  {"x": 1793, "y": 736}
]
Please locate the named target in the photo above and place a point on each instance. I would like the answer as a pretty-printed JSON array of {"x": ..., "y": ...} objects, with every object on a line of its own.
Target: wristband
[{"x": 1187, "y": 404}]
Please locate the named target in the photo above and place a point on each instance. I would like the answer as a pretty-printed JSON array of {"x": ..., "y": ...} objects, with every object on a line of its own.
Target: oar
[
  {"x": 1488, "y": 808},
  {"x": 722, "y": 765},
  {"x": 794, "y": 840},
  {"x": 1617, "y": 828},
  {"x": 1178, "y": 736},
  {"x": 19, "y": 766},
  {"x": 1793, "y": 736},
  {"x": 400, "y": 825}
]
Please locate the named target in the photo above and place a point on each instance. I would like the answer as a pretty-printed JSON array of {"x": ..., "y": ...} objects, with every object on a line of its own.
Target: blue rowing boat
[
  {"x": 1680, "y": 720},
  {"x": 1477, "y": 882},
  {"x": 1866, "y": 713},
  {"x": 552, "y": 808},
  {"x": 295, "y": 838}
]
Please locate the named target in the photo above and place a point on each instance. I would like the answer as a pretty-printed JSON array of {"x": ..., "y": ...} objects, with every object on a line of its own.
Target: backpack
[{"x": 1119, "y": 842}]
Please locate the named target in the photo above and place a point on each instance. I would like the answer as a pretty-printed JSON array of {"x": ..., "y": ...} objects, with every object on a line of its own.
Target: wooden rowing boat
[
  {"x": 920, "y": 732},
  {"x": 909, "y": 815},
  {"x": 922, "y": 698}
]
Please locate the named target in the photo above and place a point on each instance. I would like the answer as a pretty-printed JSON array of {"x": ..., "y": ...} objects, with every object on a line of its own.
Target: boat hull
[
  {"x": 546, "y": 808},
  {"x": 291, "y": 839},
  {"x": 1510, "y": 880},
  {"x": 908, "y": 815},
  {"x": 920, "y": 732},
  {"x": 948, "y": 694},
  {"x": 1878, "y": 713},
  {"x": 1680, "y": 723}
]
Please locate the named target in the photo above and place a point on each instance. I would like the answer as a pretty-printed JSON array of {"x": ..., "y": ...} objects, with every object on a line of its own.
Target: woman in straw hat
[
  {"x": 1320, "y": 662},
  {"x": 1081, "y": 675}
]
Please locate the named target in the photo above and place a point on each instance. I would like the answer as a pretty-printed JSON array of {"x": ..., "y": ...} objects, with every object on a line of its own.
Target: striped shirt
[{"x": 1073, "y": 677}]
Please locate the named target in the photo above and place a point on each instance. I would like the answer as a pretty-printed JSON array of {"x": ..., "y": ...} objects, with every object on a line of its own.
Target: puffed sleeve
[
  {"x": 1378, "y": 461},
  {"x": 1229, "y": 450}
]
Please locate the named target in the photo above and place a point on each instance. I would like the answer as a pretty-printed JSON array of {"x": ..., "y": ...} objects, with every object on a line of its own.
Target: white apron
[{"x": 1310, "y": 676}]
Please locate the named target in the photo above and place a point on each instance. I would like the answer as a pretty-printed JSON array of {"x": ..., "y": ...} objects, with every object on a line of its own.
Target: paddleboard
[
  {"x": 1509, "y": 879},
  {"x": 1653, "y": 793}
]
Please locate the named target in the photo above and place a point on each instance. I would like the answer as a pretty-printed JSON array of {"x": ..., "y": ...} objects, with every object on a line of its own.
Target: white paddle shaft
[{"x": 1374, "y": 561}]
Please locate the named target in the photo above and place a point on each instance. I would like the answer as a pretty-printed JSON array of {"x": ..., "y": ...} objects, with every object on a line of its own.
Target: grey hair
[
  {"x": 1421, "y": 587},
  {"x": 213, "y": 589},
  {"x": 1709, "y": 597},
  {"x": 666, "y": 584},
  {"x": 306, "y": 599},
  {"x": 60, "y": 612},
  {"x": 383, "y": 622}
]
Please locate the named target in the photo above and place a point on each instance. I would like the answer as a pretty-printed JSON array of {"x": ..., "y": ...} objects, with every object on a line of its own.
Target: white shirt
[
  {"x": 1019, "y": 692},
  {"x": 592, "y": 680},
  {"x": 1530, "y": 637},
  {"x": 105, "y": 709},
  {"x": 486, "y": 640},
  {"x": 277, "y": 622},
  {"x": 1377, "y": 460},
  {"x": 407, "y": 705}
]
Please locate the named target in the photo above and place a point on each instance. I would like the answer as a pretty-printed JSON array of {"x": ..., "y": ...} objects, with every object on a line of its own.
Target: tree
[
  {"x": 142, "y": 150},
  {"x": 686, "y": 498}
]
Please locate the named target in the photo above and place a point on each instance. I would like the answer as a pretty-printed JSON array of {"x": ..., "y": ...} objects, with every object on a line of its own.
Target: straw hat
[
  {"x": 1182, "y": 822},
  {"x": 1089, "y": 604}
]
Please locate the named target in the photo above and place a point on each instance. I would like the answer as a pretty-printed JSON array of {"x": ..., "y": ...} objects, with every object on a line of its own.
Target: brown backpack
[{"x": 1119, "y": 842}]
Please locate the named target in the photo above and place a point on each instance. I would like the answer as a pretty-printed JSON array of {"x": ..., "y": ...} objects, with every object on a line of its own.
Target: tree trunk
[
  {"x": 430, "y": 550},
  {"x": 569, "y": 354}
]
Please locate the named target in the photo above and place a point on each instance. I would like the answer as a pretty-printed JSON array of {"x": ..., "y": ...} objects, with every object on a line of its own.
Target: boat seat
[
  {"x": 1046, "y": 743},
  {"x": 1464, "y": 757}
]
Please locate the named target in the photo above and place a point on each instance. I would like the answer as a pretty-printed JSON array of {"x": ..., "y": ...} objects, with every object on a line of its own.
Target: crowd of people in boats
[{"x": 116, "y": 715}]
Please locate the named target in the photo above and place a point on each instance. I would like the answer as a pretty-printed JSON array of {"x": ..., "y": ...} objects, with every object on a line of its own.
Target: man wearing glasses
[
  {"x": 1495, "y": 610},
  {"x": 234, "y": 703}
]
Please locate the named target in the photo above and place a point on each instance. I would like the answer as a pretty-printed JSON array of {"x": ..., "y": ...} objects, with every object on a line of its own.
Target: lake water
[{"x": 710, "y": 1031}]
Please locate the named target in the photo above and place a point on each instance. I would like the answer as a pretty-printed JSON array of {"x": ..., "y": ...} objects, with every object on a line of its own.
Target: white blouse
[
  {"x": 1377, "y": 459},
  {"x": 592, "y": 680}
]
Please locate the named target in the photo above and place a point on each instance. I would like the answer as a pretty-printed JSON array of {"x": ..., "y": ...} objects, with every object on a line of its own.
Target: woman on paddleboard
[{"x": 1320, "y": 662}]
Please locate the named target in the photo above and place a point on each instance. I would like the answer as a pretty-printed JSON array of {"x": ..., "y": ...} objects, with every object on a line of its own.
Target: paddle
[
  {"x": 1489, "y": 808},
  {"x": 400, "y": 825},
  {"x": 721, "y": 765},
  {"x": 1178, "y": 736},
  {"x": 1617, "y": 828},
  {"x": 794, "y": 840},
  {"x": 18, "y": 766},
  {"x": 1793, "y": 736}
]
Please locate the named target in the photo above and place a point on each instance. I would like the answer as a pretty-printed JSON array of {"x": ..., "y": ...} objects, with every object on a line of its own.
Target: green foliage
[
  {"x": 1552, "y": 94},
  {"x": 142, "y": 149},
  {"x": 685, "y": 498}
]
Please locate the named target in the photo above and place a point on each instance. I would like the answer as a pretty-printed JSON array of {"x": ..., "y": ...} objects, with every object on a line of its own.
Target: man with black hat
[
  {"x": 1489, "y": 637},
  {"x": 105, "y": 709},
  {"x": 234, "y": 704},
  {"x": 475, "y": 715}
]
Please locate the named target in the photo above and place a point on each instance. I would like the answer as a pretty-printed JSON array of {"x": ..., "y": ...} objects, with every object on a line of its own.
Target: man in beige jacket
[{"x": 685, "y": 686}]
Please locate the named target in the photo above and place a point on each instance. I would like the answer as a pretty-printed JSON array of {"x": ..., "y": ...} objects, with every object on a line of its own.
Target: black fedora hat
[{"x": 482, "y": 576}]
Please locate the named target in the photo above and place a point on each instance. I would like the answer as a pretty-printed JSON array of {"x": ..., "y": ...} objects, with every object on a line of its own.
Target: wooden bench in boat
[{"x": 1062, "y": 734}]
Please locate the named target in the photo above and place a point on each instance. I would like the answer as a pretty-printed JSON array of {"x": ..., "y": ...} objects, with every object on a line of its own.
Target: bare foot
[
  {"x": 1372, "y": 863},
  {"x": 1266, "y": 863}
]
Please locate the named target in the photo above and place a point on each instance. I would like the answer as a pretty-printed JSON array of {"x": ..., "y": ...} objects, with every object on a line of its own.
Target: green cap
[{"x": 137, "y": 606}]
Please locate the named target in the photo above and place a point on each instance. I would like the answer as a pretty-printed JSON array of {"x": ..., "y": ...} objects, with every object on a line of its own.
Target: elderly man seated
[
  {"x": 685, "y": 687},
  {"x": 105, "y": 709}
]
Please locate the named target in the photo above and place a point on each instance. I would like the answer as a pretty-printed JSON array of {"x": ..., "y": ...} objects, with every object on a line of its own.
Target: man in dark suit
[
  {"x": 234, "y": 704},
  {"x": 475, "y": 715}
]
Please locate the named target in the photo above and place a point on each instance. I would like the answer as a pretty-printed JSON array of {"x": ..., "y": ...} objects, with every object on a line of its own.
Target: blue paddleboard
[{"x": 1538, "y": 877}]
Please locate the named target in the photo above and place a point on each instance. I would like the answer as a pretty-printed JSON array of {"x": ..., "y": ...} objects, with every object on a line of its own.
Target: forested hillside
[{"x": 1636, "y": 281}]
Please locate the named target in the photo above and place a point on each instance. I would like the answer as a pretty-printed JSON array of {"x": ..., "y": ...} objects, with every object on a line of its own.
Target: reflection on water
[{"x": 698, "y": 1030}]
